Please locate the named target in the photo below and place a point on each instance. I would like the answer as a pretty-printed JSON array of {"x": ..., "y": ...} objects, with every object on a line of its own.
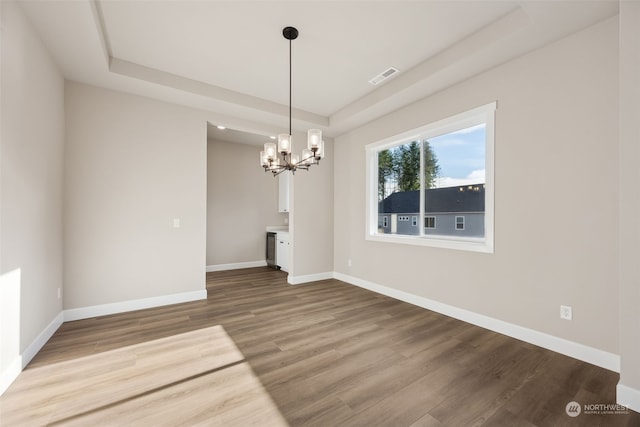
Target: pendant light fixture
[{"x": 278, "y": 158}]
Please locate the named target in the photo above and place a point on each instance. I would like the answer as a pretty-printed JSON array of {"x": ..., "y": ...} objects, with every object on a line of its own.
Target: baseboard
[
  {"x": 236, "y": 266},
  {"x": 629, "y": 397},
  {"x": 578, "y": 351},
  {"x": 298, "y": 280},
  {"x": 10, "y": 374},
  {"x": 33, "y": 349},
  {"x": 21, "y": 361},
  {"x": 139, "y": 304}
]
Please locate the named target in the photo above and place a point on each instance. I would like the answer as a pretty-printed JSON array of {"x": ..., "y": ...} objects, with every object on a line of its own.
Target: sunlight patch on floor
[{"x": 198, "y": 377}]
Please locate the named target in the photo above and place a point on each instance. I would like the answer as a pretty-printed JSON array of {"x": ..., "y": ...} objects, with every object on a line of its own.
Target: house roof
[{"x": 464, "y": 198}]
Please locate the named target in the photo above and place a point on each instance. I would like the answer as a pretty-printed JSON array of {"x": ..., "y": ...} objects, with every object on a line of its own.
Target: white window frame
[
  {"x": 385, "y": 221},
  {"x": 455, "y": 224},
  {"x": 483, "y": 114},
  {"x": 414, "y": 220}
]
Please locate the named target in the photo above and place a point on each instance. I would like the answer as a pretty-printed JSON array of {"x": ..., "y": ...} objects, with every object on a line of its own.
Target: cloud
[
  {"x": 458, "y": 137},
  {"x": 475, "y": 177},
  {"x": 469, "y": 129}
]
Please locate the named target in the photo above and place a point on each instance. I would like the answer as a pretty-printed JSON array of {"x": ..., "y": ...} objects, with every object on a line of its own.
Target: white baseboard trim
[
  {"x": 33, "y": 349},
  {"x": 629, "y": 397},
  {"x": 626, "y": 396},
  {"x": 236, "y": 266},
  {"x": 10, "y": 374},
  {"x": 298, "y": 280},
  {"x": 21, "y": 361},
  {"x": 138, "y": 304},
  {"x": 578, "y": 351}
]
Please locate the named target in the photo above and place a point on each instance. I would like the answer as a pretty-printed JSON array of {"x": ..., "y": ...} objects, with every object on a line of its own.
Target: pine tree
[
  {"x": 385, "y": 171},
  {"x": 431, "y": 166},
  {"x": 399, "y": 168},
  {"x": 408, "y": 166}
]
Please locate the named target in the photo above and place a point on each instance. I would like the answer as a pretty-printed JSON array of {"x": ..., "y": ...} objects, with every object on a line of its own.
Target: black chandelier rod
[
  {"x": 290, "y": 33},
  {"x": 290, "y": 90}
]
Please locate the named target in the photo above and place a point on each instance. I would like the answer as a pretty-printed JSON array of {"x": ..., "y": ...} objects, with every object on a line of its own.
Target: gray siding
[{"x": 445, "y": 224}]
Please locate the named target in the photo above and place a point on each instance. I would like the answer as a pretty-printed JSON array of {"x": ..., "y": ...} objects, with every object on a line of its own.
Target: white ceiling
[
  {"x": 229, "y": 57},
  {"x": 236, "y": 136}
]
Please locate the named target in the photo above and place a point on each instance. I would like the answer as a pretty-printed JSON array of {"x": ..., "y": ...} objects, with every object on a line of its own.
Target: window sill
[{"x": 472, "y": 245}]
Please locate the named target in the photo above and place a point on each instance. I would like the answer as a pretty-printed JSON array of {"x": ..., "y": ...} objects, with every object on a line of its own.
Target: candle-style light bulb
[
  {"x": 284, "y": 143},
  {"x": 270, "y": 150},
  {"x": 314, "y": 139}
]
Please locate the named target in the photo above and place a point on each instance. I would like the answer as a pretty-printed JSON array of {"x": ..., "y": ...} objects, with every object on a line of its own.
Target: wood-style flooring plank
[{"x": 261, "y": 352}]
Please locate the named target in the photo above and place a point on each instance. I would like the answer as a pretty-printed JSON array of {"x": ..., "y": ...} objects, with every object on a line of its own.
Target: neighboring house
[{"x": 449, "y": 211}]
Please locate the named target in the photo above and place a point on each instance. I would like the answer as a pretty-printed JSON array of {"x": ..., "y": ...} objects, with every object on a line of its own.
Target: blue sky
[{"x": 461, "y": 156}]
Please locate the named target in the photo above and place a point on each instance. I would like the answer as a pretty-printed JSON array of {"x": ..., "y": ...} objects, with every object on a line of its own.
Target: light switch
[{"x": 176, "y": 222}]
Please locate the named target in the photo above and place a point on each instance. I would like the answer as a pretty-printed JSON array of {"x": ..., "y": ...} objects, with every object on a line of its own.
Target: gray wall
[
  {"x": 312, "y": 216},
  {"x": 132, "y": 165},
  {"x": 629, "y": 202},
  {"x": 556, "y": 124},
  {"x": 242, "y": 200},
  {"x": 31, "y": 155}
]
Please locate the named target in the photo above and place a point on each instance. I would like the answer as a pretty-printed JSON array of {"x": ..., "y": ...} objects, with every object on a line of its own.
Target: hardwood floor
[{"x": 259, "y": 351}]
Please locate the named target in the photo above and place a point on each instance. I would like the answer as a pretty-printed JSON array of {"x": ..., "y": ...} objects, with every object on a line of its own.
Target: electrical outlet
[
  {"x": 349, "y": 262},
  {"x": 566, "y": 312},
  {"x": 59, "y": 293}
]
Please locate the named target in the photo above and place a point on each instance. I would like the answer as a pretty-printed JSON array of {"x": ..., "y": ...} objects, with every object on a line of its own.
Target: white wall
[
  {"x": 132, "y": 165},
  {"x": 31, "y": 155},
  {"x": 241, "y": 202},
  {"x": 629, "y": 203},
  {"x": 556, "y": 235}
]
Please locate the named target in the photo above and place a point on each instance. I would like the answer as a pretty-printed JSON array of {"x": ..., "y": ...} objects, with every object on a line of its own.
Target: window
[
  {"x": 430, "y": 222},
  {"x": 385, "y": 221},
  {"x": 442, "y": 170}
]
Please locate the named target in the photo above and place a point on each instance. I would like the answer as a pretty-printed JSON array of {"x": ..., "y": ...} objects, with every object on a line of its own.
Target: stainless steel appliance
[{"x": 270, "y": 254}]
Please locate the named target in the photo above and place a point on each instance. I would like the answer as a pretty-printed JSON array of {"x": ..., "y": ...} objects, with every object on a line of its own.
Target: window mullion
[
  {"x": 461, "y": 200},
  {"x": 422, "y": 192}
]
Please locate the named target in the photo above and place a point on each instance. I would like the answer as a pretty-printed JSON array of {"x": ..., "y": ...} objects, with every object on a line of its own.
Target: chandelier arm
[{"x": 308, "y": 158}]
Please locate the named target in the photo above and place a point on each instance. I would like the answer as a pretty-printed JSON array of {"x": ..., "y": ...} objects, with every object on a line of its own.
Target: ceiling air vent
[{"x": 383, "y": 75}]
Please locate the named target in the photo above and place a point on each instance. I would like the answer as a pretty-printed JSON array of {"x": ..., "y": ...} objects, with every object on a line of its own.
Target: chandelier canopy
[{"x": 278, "y": 158}]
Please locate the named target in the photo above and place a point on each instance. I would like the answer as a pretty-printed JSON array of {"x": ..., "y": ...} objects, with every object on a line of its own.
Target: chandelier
[{"x": 278, "y": 158}]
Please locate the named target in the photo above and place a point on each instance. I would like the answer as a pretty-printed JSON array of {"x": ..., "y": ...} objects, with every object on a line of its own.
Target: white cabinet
[
  {"x": 283, "y": 191},
  {"x": 283, "y": 253}
]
